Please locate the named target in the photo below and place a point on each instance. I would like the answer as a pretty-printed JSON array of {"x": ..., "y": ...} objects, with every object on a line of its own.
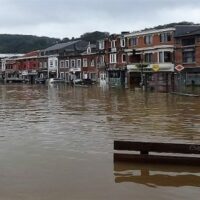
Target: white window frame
[
  {"x": 85, "y": 62},
  {"x": 92, "y": 63},
  {"x": 78, "y": 63},
  {"x": 148, "y": 39},
  {"x": 123, "y": 61},
  {"x": 62, "y": 75},
  {"x": 101, "y": 44},
  {"x": 73, "y": 63},
  {"x": 67, "y": 63},
  {"x": 89, "y": 50},
  {"x": 134, "y": 41},
  {"x": 101, "y": 59},
  {"x": 113, "y": 58},
  {"x": 62, "y": 64},
  {"x": 66, "y": 76},
  {"x": 122, "y": 42},
  {"x": 51, "y": 63}
]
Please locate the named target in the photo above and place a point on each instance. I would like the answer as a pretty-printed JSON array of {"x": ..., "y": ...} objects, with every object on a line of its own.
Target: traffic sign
[{"x": 179, "y": 68}]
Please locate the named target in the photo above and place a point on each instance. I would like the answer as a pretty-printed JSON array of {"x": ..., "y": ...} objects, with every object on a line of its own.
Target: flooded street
[{"x": 56, "y": 142}]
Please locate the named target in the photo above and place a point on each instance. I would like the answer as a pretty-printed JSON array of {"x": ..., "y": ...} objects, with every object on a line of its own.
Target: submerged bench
[{"x": 168, "y": 153}]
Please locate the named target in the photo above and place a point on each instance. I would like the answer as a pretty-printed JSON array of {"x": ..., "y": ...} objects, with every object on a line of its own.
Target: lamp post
[{"x": 141, "y": 67}]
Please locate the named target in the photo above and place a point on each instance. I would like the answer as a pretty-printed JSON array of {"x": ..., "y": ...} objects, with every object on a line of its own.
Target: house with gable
[
  {"x": 187, "y": 55},
  {"x": 151, "y": 58}
]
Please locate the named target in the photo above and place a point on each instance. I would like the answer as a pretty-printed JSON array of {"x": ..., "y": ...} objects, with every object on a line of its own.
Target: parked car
[
  {"x": 56, "y": 80},
  {"x": 83, "y": 81},
  {"x": 40, "y": 80}
]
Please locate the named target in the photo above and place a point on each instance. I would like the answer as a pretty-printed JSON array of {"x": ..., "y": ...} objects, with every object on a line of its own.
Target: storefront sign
[{"x": 155, "y": 67}]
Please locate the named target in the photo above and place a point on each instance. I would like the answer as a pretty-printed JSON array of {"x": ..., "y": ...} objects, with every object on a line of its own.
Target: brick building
[
  {"x": 187, "y": 54},
  {"x": 150, "y": 58}
]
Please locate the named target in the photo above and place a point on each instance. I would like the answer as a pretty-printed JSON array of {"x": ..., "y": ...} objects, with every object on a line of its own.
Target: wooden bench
[{"x": 168, "y": 153}]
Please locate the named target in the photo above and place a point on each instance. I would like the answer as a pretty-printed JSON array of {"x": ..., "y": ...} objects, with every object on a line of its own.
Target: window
[
  {"x": 40, "y": 64},
  {"x": 148, "y": 39},
  {"x": 122, "y": 42},
  {"x": 89, "y": 50},
  {"x": 56, "y": 63},
  {"x": 113, "y": 43},
  {"x": 148, "y": 57},
  {"x": 62, "y": 75},
  {"x": 84, "y": 62},
  {"x": 165, "y": 56},
  {"x": 123, "y": 58},
  {"x": 92, "y": 63},
  {"x": 67, "y": 63},
  {"x": 93, "y": 76},
  {"x": 189, "y": 55},
  {"x": 79, "y": 63},
  {"x": 51, "y": 63},
  {"x": 188, "y": 41},
  {"x": 113, "y": 58},
  {"x": 114, "y": 74},
  {"x": 66, "y": 76},
  {"x": 165, "y": 37},
  {"x": 101, "y": 44},
  {"x": 133, "y": 41},
  {"x": 101, "y": 59},
  {"x": 73, "y": 64},
  {"x": 62, "y": 63}
]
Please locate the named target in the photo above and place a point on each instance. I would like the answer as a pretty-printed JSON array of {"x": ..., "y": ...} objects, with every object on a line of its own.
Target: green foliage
[
  {"x": 24, "y": 43},
  {"x": 93, "y": 37},
  {"x": 171, "y": 25}
]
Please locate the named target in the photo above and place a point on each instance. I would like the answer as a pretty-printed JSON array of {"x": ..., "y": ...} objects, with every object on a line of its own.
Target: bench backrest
[{"x": 146, "y": 147}]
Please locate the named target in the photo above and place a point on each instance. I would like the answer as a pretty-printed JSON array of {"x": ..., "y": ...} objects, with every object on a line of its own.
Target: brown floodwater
[{"x": 56, "y": 143}]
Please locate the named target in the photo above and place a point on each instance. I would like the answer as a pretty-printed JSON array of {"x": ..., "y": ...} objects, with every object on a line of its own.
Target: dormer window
[{"x": 89, "y": 50}]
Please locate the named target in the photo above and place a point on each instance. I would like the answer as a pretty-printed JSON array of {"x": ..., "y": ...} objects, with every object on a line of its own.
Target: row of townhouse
[{"x": 161, "y": 59}]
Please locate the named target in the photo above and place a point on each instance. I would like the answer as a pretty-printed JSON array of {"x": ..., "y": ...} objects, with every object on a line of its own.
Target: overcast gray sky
[{"x": 68, "y": 18}]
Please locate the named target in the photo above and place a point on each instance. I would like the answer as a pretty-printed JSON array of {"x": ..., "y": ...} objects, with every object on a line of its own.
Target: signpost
[
  {"x": 155, "y": 67},
  {"x": 179, "y": 68}
]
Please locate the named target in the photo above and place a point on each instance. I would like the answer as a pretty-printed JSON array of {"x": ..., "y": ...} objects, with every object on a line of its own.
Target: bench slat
[
  {"x": 122, "y": 157},
  {"x": 157, "y": 147}
]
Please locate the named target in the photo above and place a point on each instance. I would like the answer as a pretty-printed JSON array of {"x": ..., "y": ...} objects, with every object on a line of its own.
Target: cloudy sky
[{"x": 68, "y": 18}]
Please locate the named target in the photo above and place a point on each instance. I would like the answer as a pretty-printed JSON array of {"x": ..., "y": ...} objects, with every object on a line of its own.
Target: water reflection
[
  {"x": 57, "y": 141},
  {"x": 157, "y": 175}
]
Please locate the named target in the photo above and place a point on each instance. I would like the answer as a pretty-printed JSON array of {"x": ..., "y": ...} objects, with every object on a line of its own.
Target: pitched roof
[
  {"x": 78, "y": 45},
  {"x": 185, "y": 30},
  {"x": 61, "y": 45}
]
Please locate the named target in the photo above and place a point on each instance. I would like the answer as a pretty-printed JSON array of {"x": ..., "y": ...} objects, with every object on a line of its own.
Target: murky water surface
[{"x": 56, "y": 142}]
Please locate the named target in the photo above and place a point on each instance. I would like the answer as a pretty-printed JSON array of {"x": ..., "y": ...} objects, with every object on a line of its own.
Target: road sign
[{"x": 179, "y": 68}]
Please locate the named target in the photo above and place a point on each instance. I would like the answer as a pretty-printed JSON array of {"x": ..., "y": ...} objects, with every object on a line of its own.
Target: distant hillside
[
  {"x": 93, "y": 37},
  {"x": 24, "y": 43},
  {"x": 171, "y": 25}
]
